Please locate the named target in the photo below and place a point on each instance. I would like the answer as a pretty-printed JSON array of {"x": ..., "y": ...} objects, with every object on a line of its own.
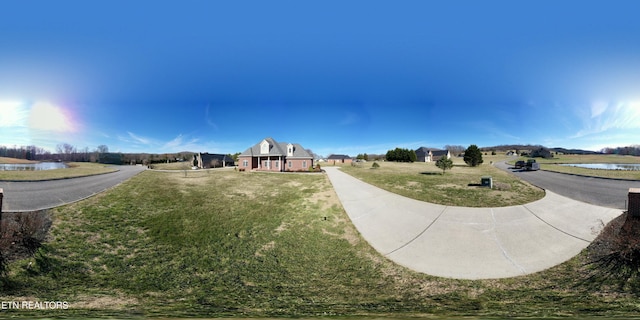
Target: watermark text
[{"x": 34, "y": 305}]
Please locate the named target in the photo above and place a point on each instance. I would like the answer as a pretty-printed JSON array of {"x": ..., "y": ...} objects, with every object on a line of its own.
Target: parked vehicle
[
  {"x": 532, "y": 165},
  {"x": 520, "y": 164}
]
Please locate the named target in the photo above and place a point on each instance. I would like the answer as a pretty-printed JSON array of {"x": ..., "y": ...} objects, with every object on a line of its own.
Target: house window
[
  {"x": 264, "y": 147},
  {"x": 267, "y": 164},
  {"x": 277, "y": 164},
  {"x": 290, "y": 163},
  {"x": 304, "y": 163},
  {"x": 245, "y": 163}
]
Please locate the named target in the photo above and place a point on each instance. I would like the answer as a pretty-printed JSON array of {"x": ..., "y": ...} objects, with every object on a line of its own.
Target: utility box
[
  {"x": 634, "y": 202},
  {"x": 486, "y": 182}
]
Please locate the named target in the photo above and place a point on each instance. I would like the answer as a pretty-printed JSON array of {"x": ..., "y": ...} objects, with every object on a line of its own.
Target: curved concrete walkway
[{"x": 470, "y": 243}]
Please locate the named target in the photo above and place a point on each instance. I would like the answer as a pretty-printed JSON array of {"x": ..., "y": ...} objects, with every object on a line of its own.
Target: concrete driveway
[
  {"x": 470, "y": 243},
  {"x": 611, "y": 193},
  {"x": 31, "y": 196}
]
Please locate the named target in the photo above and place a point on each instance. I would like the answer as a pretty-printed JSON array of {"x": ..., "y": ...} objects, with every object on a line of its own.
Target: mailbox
[{"x": 487, "y": 182}]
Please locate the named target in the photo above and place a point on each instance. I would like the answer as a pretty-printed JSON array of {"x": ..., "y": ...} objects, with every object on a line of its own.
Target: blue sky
[{"x": 335, "y": 76}]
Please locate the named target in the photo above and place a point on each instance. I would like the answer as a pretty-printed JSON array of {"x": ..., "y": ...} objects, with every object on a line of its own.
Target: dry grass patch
[
  {"x": 120, "y": 302},
  {"x": 15, "y": 161}
]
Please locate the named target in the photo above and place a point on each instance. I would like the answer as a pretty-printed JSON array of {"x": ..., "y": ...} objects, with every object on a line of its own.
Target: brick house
[
  {"x": 270, "y": 155},
  {"x": 339, "y": 158},
  {"x": 427, "y": 155}
]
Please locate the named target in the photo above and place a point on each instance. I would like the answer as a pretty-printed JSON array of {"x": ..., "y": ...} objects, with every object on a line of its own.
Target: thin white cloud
[
  {"x": 178, "y": 144},
  {"x": 349, "y": 119},
  {"x": 208, "y": 119},
  {"x": 598, "y": 108},
  {"x": 610, "y": 116},
  {"x": 133, "y": 138}
]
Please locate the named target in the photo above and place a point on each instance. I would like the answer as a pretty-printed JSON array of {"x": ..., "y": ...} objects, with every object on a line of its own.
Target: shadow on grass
[{"x": 426, "y": 173}]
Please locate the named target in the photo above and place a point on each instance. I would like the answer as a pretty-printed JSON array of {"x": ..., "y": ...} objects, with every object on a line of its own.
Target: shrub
[
  {"x": 375, "y": 165},
  {"x": 615, "y": 254},
  {"x": 444, "y": 163}
]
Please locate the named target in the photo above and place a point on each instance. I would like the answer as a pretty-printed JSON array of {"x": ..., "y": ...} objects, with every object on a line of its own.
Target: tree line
[
  {"x": 633, "y": 150},
  {"x": 101, "y": 154}
]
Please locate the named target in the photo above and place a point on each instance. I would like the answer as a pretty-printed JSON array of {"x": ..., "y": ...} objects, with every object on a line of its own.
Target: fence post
[{"x": 1, "y": 195}]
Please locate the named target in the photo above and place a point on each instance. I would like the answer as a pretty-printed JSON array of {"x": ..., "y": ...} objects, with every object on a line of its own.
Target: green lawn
[
  {"x": 229, "y": 243},
  {"x": 457, "y": 187},
  {"x": 76, "y": 169}
]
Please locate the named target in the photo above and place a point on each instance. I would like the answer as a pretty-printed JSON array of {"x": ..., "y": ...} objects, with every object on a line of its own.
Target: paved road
[
  {"x": 470, "y": 243},
  {"x": 602, "y": 192},
  {"x": 29, "y": 196}
]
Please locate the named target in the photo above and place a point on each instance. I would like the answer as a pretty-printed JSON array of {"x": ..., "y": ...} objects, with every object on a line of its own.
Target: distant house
[
  {"x": 212, "y": 160},
  {"x": 270, "y": 155},
  {"x": 339, "y": 159},
  {"x": 427, "y": 154}
]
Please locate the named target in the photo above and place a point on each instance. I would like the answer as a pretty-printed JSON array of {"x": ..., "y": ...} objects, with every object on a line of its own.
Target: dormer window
[
  {"x": 264, "y": 147},
  {"x": 289, "y": 150}
]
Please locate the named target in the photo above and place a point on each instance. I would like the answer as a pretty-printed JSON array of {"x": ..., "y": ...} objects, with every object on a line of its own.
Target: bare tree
[
  {"x": 455, "y": 150},
  {"x": 102, "y": 149},
  {"x": 66, "y": 151}
]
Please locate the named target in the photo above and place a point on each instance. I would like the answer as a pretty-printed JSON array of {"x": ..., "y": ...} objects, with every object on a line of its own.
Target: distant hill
[
  {"x": 573, "y": 151},
  {"x": 522, "y": 147}
]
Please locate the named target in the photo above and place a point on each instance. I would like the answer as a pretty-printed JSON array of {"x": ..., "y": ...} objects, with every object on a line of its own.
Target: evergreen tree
[
  {"x": 473, "y": 156},
  {"x": 444, "y": 163},
  {"x": 401, "y": 155}
]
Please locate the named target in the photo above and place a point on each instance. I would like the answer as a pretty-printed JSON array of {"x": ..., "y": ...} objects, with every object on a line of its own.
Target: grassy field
[
  {"x": 14, "y": 160},
  {"x": 457, "y": 187},
  {"x": 552, "y": 165},
  {"x": 172, "y": 166},
  {"x": 76, "y": 169},
  {"x": 238, "y": 244}
]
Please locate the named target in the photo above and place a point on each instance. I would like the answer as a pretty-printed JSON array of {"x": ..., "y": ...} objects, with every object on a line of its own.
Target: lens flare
[
  {"x": 13, "y": 114},
  {"x": 48, "y": 117}
]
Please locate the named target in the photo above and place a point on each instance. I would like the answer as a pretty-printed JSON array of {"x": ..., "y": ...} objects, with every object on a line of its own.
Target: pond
[
  {"x": 606, "y": 166},
  {"x": 32, "y": 166}
]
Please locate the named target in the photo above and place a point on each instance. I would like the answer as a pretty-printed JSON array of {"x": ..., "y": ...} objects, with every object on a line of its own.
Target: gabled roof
[
  {"x": 298, "y": 150},
  {"x": 438, "y": 153},
  {"x": 425, "y": 150},
  {"x": 276, "y": 149},
  {"x": 338, "y": 157}
]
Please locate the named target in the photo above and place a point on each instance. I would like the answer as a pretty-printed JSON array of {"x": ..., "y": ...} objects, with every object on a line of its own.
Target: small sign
[{"x": 487, "y": 182}]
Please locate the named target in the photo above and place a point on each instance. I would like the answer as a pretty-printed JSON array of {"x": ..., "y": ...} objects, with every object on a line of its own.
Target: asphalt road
[
  {"x": 29, "y": 196},
  {"x": 609, "y": 193}
]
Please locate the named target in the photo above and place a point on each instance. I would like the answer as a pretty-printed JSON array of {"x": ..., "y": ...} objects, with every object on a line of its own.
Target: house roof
[
  {"x": 434, "y": 152},
  {"x": 426, "y": 150},
  {"x": 438, "y": 153},
  {"x": 276, "y": 149},
  {"x": 338, "y": 157},
  {"x": 207, "y": 157}
]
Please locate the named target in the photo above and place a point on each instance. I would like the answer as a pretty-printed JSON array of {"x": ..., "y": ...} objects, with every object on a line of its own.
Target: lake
[
  {"x": 32, "y": 166},
  {"x": 606, "y": 166}
]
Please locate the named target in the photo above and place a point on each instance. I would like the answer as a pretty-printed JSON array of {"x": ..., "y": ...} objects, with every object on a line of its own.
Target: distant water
[
  {"x": 606, "y": 166},
  {"x": 32, "y": 166}
]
